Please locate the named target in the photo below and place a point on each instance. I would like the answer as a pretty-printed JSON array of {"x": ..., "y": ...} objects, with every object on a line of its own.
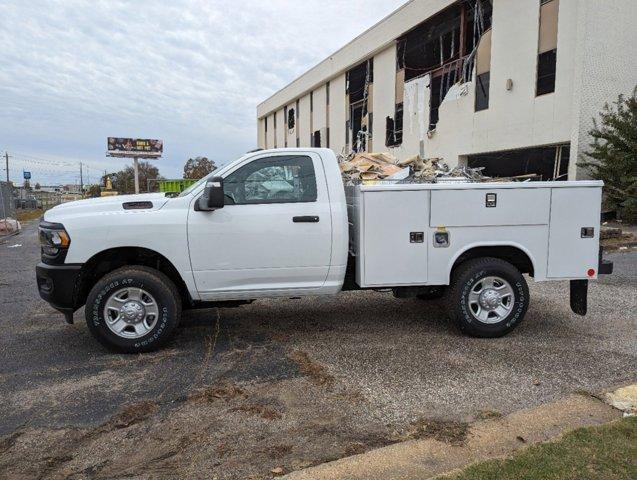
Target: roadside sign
[
  {"x": 26, "y": 175},
  {"x": 134, "y": 147}
]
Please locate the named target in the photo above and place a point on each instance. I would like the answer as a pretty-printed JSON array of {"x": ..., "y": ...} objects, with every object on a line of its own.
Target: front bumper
[{"x": 57, "y": 285}]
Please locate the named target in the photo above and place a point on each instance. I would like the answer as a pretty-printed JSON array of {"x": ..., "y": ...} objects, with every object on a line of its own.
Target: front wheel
[
  {"x": 133, "y": 309},
  {"x": 488, "y": 297}
]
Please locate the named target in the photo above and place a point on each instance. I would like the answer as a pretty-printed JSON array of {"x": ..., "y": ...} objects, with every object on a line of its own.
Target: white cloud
[{"x": 190, "y": 72}]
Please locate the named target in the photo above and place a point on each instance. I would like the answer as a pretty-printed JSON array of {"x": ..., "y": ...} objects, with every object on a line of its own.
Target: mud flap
[{"x": 579, "y": 296}]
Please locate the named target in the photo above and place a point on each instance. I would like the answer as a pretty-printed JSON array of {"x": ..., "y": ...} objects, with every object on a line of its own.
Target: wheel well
[
  {"x": 515, "y": 256},
  {"x": 114, "y": 258}
]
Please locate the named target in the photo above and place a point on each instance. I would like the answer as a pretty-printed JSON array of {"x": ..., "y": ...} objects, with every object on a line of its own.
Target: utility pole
[
  {"x": 6, "y": 157},
  {"x": 136, "y": 168},
  {"x": 81, "y": 181}
]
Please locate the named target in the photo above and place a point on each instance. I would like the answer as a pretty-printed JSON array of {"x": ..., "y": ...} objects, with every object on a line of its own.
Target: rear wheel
[
  {"x": 488, "y": 297},
  {"x": 133, "y": 309}
]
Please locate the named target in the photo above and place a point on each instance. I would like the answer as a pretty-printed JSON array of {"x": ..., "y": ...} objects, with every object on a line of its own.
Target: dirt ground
[{"x": 283, "y": 384}]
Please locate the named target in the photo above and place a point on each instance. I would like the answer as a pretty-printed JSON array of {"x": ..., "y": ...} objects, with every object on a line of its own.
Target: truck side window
[{"x": 280, "y": 179}]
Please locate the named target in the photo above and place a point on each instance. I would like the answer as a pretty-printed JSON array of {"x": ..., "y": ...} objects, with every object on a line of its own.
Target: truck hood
[{"x": 103, "y": 205}]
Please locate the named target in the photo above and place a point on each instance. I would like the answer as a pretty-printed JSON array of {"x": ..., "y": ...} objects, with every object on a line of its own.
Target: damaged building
[{"x": 511, "y": 86}]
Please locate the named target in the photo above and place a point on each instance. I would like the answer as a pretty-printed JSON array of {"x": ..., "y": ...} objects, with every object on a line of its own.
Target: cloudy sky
[{"x": 190, "y": 72}]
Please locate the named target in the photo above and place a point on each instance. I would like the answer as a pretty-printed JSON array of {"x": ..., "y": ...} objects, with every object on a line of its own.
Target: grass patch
[
  {"x": 606, "y": 452},
  {"x": 26, "y": 215}
]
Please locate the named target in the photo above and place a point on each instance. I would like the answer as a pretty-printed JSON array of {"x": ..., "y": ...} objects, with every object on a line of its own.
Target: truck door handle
[{"x": 306, "y": 219}]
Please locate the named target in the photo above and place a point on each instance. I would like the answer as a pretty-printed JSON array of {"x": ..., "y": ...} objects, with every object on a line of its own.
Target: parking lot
[{"x": 284, "y": 383}]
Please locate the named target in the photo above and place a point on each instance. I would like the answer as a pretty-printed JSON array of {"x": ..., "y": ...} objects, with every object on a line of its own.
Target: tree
[
  {"x": 37, "y": 186},
  {"x": 612, "y": 156},
  {"x": 199, "y": 167},
  {"x": 94, "y": 191},
  {"x": 124, "y": 180}
]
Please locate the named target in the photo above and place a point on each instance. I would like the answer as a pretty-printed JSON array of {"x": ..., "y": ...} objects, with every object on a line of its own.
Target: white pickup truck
[{"x": 280, "y": 223}]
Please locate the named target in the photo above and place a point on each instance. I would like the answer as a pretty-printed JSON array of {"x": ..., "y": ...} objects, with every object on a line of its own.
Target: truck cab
[{"x": 279, "y": 223}]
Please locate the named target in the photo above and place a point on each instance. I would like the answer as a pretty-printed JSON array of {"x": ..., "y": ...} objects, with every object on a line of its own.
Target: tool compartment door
[
  {"x": 571, "y": 254},
  {"x": 468, "y": 207},
  {"x": 394, "y": 252}
]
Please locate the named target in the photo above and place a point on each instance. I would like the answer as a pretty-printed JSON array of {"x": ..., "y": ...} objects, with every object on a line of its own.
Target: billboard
[{"x": 134, "y": 147}]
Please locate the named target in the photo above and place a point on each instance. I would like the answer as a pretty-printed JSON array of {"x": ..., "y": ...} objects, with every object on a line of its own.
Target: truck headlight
[{"x": 54, "y": 240}]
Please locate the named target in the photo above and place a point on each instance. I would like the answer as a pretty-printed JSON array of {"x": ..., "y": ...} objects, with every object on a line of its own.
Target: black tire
[
  {"x": 466, "y": 277},
  {"x": 164, "y": 293},
  {"x": 432, "y": 293}
]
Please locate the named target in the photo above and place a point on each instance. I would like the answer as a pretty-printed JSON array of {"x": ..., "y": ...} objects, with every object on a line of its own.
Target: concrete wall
[
  {"x": 269, "y": 135},
  {"x": 261, "y": 132},
  {"x": 604, "y": 66},
  {"x": 337, "y": 109},
  {"x": 319, "y": 112},
  {"x": 305, "y": 121},
  {"x": 280, "y": 129},
  {"x": 383, "y": 100}
]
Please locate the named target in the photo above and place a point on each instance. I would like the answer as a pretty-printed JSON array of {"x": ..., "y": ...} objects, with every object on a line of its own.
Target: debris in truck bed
[{"x": 372, "y": 167}]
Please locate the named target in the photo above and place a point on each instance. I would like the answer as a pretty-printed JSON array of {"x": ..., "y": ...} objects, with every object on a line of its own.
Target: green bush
[{"x": 612, "y": 156}]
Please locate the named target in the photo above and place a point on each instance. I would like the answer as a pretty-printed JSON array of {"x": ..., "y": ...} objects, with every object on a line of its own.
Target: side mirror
[{"x": 213, "y": 197}]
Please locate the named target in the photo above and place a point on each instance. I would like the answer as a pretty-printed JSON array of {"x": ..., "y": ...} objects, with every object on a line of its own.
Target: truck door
[{"x": 272, "y": 236}]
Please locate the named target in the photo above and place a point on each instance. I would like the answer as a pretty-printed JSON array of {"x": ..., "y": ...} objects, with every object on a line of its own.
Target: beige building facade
[{"x": 510, "y": 85}]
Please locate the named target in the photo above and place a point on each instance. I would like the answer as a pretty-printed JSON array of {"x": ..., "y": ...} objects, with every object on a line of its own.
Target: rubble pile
[
  {"x": 369, "y": 166},
  {"x": 373, "y": 167}
]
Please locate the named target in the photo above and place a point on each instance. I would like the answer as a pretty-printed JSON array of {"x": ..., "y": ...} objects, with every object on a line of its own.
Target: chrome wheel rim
[
  {"x": 491, "y": 300},
  {"x": 131, "y": 312}
]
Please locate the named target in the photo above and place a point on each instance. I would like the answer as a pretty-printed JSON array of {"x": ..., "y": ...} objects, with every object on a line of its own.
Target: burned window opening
[
  {"x": 450, "y": 35},
  {"x": 358, "y": 88},
  {"x": 394, "y": 128},
  {"x": 291, "y": 119},
  {"x": 539, "y": 163},
  {"x": 390, "y": 132},
  {"x": 439, "y": 87},
  {"x": 358, "y": 78}
]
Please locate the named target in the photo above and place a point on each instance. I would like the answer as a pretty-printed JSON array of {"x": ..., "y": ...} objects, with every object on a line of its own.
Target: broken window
[
  {"x": 482, "y": 91},
  {"x": 291, "y": 119},
  {"x": 547, "y": 47},
  {"x": 537, "y": 163},
  {"x": 444, "y": 47},
  {"x": 359, "y": 92},
  {"x": 483, "y": 75},
  {"x": 440, "y": 85},
  {"x": 394, "y": 127},
  {"x": 449, "y": 36}
]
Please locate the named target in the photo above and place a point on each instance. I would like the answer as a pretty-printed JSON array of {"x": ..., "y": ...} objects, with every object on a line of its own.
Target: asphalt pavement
[{"x": 285, "y": 382}]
